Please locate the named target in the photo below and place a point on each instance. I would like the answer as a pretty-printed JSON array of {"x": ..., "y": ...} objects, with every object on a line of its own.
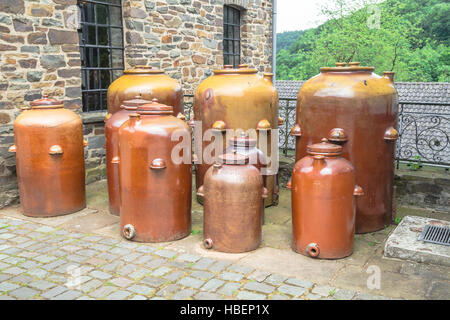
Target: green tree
[{"x": 409, "y": 37}]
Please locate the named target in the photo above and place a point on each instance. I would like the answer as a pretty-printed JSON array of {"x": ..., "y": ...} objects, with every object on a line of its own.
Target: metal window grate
[
  {"x": 231, "y": 36},
  {"x": 436, "y": 234},
  {"x": 101, "y": 49}
]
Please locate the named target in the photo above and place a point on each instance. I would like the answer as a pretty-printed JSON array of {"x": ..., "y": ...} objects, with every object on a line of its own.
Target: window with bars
[
  {"x": 231, "y": 36},
  {"x": 101, "y": 48}
]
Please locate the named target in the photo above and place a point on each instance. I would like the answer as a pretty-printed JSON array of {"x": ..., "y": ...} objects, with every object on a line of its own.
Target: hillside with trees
[{"x": 410, "y": 37}]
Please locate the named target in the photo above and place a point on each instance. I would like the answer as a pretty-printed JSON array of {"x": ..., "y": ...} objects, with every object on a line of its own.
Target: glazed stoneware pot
[
  {"x": 233, "y": 194},
  {"x": 49, "y": 148},
  {"x": 323, "y": 203},
  {"x": 155, "y": 188},
  {"x": 357, "y": 109},
  {"x": 148, "y": 83},
  {"x": 237, "y": 99},
  {"x": 112, "y": 125}
]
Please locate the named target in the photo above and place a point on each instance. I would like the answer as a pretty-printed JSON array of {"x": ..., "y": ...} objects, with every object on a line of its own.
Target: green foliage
[
  {"x": 285, "y": 39},
  {"x": 411, "y": 39},
  {"x": 417, "y": 164}
]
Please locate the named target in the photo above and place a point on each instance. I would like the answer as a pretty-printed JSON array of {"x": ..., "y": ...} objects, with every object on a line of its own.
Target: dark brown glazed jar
[
  {"x": 358, "y": 110},
  {"x": 147, "y": 82},
  {"x": 323, "y": 203},
  {"x": 155, "y": 188},
  {"x": 236, "y": 98},
  {"x": 245, "y": 145},
  {"x": 112, "y": 125},
  {"x": 233, "y": 194},
  {"x": 49, "y": 159}
]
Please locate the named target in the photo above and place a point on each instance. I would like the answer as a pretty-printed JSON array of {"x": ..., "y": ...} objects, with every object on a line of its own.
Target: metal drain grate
[{"x": 436, "y": 234}]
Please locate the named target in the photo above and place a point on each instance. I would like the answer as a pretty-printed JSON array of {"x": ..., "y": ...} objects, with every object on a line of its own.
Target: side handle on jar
[
  {"x": 296, "y": 131},
  {"x": 358, "y": 191},
  {"x": 391, "y": 134},
  {"x": 158, "y": 164},
  {"x": 55, "y": 150}
]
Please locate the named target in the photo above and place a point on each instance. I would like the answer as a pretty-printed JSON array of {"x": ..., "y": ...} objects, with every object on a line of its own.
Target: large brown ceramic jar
[
  {"x": 233, "y": 194},
  {"x": 49, "y": 159},
  {"x": 357, "y": 109},
  {"x": 112, "y": 125},
  {"x": 155, "y": 188},
  {"x": 235, "y": 99},
  {"x": 323, "y": 203},
  {"x": 147, "y": 82}
]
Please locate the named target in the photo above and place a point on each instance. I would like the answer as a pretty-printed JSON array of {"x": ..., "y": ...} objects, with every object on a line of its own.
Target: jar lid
[
  {"x": 241, "y": 69},
  {"x": 233, "y": 158},
  {"x": 342, "y": 67},
  {"x": 154, "y": 107},
  {"x": 243, "y": 141},
  {"x": 46, "y": 102},
  {"x": 324, "y": 148},
  {"x": 139, "y": 69},
  {"x": 132, "y": 104}
]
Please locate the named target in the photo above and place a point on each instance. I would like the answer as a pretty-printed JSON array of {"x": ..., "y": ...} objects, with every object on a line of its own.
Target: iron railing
[{"x": 424, "y": 134}]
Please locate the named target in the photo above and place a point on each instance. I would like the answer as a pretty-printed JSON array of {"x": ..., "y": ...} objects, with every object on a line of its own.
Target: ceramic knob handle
[
  {"x": 296, "y": 131},
  {"x": 181, "y": 116},
  {"x": 358, "y": 191},
  {"x": 337, "y": 135},
  {"x": 200, "y": 192},
  {"x": 280, "y": 121},
  {"x": 85, "y": 143},
  {"x": 115, "y": 160},
  {"x": 219, "y": 125},
  {"x": 391, "y": 134},
  {"x": 107, "y": 117},
  {"x": 265, "y": 193},
  {"x": 158, "y": 164},
  {"x": 55, "y": 150},
  {"x": 263, "y": 125},
  {"x": 289, "y": 184},
  {"x": 13, "y": 148}
]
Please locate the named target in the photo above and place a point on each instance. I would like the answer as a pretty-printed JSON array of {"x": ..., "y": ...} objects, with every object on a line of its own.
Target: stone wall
[
  {"x": 184, "y": 37},
  {"x": 39, "y": 54}
]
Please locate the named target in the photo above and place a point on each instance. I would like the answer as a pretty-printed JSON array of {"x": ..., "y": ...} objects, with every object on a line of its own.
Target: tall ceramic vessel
[
  {"x": 354, "y": 107},
  {"x": 235, "y": 99},
  {"x": 155, "y": 186},
  {"x": 323, "y": 203},
  {"x": 233, "y": 194},
  {"x": 49, "y": 159},
  {"x": 147, "y": 82},
  {"x": 112, "y": 125}
]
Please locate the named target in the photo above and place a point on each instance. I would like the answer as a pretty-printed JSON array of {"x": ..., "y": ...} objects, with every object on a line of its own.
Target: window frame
[
  {"x": 90, "y": 68},
  {"x": 229, "y": 21}
]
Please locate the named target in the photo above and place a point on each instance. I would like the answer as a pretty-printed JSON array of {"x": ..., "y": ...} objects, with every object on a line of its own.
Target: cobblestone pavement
[{"x": 42, "y": 262}]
